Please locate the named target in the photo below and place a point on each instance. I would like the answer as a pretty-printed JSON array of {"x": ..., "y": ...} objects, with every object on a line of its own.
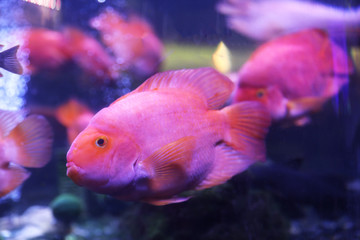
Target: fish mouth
[{"x": 74, "y": 172}]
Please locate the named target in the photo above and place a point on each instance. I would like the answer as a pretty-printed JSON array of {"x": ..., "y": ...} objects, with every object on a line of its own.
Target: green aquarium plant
[{"x": 66, "y": 208}]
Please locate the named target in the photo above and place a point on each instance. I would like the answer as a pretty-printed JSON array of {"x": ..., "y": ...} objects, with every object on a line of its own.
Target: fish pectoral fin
[
  {"x": 162, "y": 202},
  {"x": 228, "y": 162},
  {"x": 300, "y": 106},
  {"x": 10, "y": 61},
  {"x": 167, "y": 166},
  {"x": 33, "y": 139},
  {"x": 9, "y": 120},
  {"x": 12, "y": 176},
  {"x": 208, "y": 83}
]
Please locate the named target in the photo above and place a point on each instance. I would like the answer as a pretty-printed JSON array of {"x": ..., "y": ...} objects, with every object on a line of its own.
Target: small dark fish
[{"x": 9, "y": 61}]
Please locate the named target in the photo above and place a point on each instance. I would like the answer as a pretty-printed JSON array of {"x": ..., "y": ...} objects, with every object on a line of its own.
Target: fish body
[
  {"x": 47, "y": 49},
  {"x": 267, "y": 19},
  {"x": 24, "y": 142},
  {"x": 294, "y": 74},
  {"x": 168, "y": 136},
  {"x": 131, "y": 40},
  {"x": 89, "y": 54},
  {"x": 9, "y": 61}
]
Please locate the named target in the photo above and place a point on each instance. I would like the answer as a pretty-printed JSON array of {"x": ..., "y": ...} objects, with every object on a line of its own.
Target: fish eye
[
  {"x": 260, "y": 93},
  {"x": 101, "y": 141}
]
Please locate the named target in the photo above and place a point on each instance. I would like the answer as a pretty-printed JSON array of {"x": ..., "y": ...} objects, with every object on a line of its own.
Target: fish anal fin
[
  {"x": 228, "y": 162},
  {"x": 33, "y": 139},
  {"x": 302, "y": 121},
  {"x": 162, "y": 202},
  {"x": 12, "y": 176},
  {"x": 213, "y": 86},
  {"x": 167, "y": 166},
  {"x": 10, "y": 61},
  {"x": 298, "y": 107}
]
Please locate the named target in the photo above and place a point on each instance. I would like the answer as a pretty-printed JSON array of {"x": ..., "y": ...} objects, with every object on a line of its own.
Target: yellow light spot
[{"x": 222, "y": 58}]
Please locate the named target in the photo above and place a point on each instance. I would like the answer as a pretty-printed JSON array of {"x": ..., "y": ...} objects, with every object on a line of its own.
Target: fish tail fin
[
  {"x": 32, "y": 142},
  {"x": 12, "y": 176},
  {"x": 10, "y": 61},
  {"x": 243, "y": 142},
  {"x": 248, "y": 126}
]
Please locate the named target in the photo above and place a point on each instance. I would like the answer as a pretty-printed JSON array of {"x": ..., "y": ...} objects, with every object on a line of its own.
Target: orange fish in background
[
  {"x": 9, "y": 61},
  {"x": 168, "y": 136},
  {"x": 24, "y": 142},
  {"x": 75, "y": 116},
  {"x": 47, "y": 49},
  {"x": 294, "y": 74},
  {"x": 132, "y": 41},
  {"x": 89, "y": 54}
]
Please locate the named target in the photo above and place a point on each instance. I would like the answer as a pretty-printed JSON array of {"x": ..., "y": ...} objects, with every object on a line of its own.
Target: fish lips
[
  {"x": 75, "y": 173},
  {"x": 84, "y": 178}
]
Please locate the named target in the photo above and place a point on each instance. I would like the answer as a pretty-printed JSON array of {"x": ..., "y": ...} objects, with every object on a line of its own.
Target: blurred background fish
[
  {"x": 89, "y": 54},
  {"x": 267, "y": 19},
  {"x": 9, "y": 61},
  {"x": 46, "y": 49},
  {"x": 132, "y": 41},
  {"x": 25, "y": 141},
  {"x": 294, "y": 74},
  {"x": 75, "y": 116},
  {"x": 50, "y": 50}
]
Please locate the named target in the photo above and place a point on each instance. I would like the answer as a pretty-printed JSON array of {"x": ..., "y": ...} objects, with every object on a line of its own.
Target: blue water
[{"x": 309, "y": 188}]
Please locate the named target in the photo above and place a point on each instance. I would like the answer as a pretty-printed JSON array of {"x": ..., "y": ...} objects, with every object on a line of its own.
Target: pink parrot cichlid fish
[
  {"x": 24, "y": 142},
  {"x": 168, "y": 136},
  {"x": 294, "y": 75}
]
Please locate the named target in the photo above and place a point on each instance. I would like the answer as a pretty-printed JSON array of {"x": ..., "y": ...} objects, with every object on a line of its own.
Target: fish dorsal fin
[
  {"x": 167, "y": 166},
  {"x": 9, "y": 120},
  {"x": 228, "y": 162},
  {"x": 10, "y": 61},
  {"x": 207, "y": 82},
  {"x": 33, "y": 141}
]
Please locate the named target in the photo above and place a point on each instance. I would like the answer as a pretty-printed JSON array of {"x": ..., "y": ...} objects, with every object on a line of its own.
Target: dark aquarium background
[{"x": 308, "y": 188}]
